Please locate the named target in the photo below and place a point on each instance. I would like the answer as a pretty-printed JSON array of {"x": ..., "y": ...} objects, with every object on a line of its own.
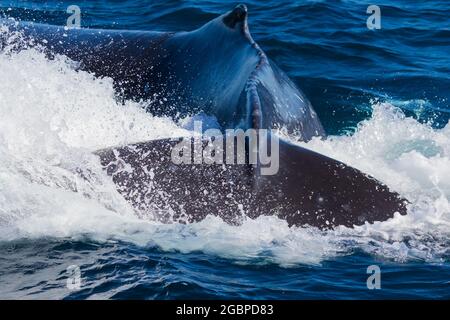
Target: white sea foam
[{"x": 52, "y": 117}]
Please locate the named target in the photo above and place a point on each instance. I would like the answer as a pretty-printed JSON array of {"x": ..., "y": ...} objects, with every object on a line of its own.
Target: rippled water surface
[{"x": 382, "y": 95}]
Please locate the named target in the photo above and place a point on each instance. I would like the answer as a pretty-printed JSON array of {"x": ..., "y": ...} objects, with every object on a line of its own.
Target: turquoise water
[{"x": 382, "y": 95}]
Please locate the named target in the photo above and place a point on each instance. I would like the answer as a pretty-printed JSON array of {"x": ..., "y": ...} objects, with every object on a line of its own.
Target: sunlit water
[{"x": 382, "y": 95}]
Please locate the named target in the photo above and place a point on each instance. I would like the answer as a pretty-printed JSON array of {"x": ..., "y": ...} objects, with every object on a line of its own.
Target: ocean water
[{"x": 382, "y": 95}]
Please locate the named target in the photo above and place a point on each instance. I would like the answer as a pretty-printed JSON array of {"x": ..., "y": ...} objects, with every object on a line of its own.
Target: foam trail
[{"x": 52, "y": 117}]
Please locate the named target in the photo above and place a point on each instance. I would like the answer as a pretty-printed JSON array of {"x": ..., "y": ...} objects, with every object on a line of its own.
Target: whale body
[
  {"x": 207, "y": 70},
  {"x": 218, "y": 70}
]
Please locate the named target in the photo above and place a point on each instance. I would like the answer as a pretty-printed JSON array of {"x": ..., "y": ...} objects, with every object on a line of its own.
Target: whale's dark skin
[
  {"x": 309, "y": 188},
  {"x": 207, "y": 70},
  {"x": 218, "y": 70}
]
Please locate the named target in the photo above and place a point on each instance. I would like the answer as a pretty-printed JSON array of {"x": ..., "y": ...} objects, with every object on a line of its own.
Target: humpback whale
[{"x": 218, "y": 70}]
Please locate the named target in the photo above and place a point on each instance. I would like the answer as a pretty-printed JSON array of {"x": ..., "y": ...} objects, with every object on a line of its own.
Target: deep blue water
[
  {"x": 343, "y": 68},
  {"x": 123, "y": 271}
]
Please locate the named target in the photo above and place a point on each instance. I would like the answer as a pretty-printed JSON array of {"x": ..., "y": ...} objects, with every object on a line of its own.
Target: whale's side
[{"x": 219, "y": 70}]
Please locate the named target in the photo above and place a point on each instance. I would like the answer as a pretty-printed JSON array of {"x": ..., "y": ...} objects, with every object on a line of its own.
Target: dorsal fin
[{"x": 237, "y": 15}]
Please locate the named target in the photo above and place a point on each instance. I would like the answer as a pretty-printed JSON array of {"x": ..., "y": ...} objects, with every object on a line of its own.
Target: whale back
[{"x": 217, "y": 69}]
